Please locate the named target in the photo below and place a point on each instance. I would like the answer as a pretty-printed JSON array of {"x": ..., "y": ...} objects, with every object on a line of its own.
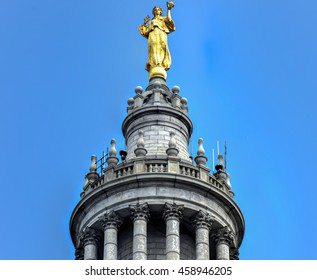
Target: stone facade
[
  {"x": 157, "y": 114},
  {"x": 157, "y": 203}
]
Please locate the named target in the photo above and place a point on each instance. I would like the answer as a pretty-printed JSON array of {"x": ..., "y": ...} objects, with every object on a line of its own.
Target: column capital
[
  {"x": 90, "y": 236},
  {"x": 110, "y": 219},
  {"x": 173, "y": 211},
  {"x": 203, "y": 220},
  {"x": 140, "y": 211},
  {"x": 224, "y": 236}
]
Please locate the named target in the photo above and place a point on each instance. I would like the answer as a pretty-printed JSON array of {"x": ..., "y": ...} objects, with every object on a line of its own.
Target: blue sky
[{"x": 247, "y": 68}]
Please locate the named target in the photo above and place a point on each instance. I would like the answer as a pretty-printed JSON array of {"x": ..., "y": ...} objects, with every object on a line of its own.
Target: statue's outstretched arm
[{"x": 170, "y": 5}]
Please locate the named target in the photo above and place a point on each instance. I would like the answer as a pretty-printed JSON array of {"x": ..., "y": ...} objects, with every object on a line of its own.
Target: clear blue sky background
[{"x": 247, "y": 68}]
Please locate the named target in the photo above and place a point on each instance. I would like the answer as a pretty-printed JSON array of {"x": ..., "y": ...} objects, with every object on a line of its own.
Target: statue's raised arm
[
  {"x": 159, "y": 58},
  {"x": 170, "y": 5}
]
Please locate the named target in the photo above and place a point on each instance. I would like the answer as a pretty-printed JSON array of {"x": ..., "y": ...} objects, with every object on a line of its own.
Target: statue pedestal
[{"x": 157, "y": 72}]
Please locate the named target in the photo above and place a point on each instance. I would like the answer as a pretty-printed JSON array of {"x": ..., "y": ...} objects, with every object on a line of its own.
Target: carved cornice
[
  {"x": 203, "y": 220},
  {"x": 223, "y": 236},
  {"x": 173, "y": 211},
  {"x": 189, "y": 184},
  {"x": 90, "y": 236},
  {"x": 109, "y": 220},
  {"x": 140, "y": 211}
]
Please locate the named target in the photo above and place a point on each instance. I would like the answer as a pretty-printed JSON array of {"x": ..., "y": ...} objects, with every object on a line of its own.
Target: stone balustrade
[
  {"x": 189, "y": 171},
  {"x": 156, "y": 166},
  {"x": 123, "y": 171}
]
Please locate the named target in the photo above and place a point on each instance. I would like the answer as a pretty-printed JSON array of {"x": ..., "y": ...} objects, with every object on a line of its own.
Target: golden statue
[{"x": 159, "y": 58}]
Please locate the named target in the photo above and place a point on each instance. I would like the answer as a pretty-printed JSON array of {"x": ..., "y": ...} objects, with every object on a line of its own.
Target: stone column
[
  {"x": 110, "y": 222},
  {"x": 234, "y": 254},
  {"x": 90, "y": 239},
  {"x": 172, "y": 216},
  {"x": 79, "y": 254},
  {"x": 140, "y": 216},
  {"x": 223, "y": 239},
  {"x": 202, "y": 223}
]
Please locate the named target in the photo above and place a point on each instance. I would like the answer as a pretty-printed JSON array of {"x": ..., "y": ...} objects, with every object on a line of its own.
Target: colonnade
[{"x": 140, "y": 216}]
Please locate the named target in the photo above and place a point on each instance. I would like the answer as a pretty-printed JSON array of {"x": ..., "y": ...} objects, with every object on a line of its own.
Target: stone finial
[
  {"x": 221, "y": 173},
  {"x": 172, "y": 150},
  {"x": 201, "y": 150},
  {"x": 200, "y": 159},
  {"x": 140, "y": 150},
  {"x": 157, "y": 93},
  {"x": 92, "y": 175},
  {"x": 172, "y": 142},
  {"x": 138, "y": 99},
  {"x": 130, "y": 102},
  {"x": 184, "y": 102},
  {"x": 138, "y": 90},
  {"x": 220, "y": 165},
  {"x": 157, "y": 85},
  {"x": 140, "y": 143},
  {"x": 93, "y": 166},
  {"x": 176, "y": 99},
  {"x": 228, "y": 181},
  {"x": 112, "y": 160},
  {"x": 113, "y": 151},
  {"x": 176, "y": 89}
]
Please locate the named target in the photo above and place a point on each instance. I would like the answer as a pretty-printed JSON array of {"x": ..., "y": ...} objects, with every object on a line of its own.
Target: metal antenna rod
[
  {"x": 103, "y": 160},
  {"x": 225, "y": 155},
  {"x": 213, "y": 160},
  {"x": 218, "y": 147}
]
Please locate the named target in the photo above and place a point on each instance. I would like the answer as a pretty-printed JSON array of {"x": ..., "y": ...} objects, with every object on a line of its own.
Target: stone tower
[{"x": 157, "y": 202}]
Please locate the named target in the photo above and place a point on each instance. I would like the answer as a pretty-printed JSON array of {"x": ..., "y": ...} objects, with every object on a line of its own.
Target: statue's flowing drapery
[{"x": 156, "y": 33}]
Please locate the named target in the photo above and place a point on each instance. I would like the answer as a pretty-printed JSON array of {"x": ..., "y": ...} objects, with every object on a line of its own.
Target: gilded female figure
[{"x": 159, "y": 58}]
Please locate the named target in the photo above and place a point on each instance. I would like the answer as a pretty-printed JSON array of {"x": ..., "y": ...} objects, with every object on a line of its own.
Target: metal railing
[{"x": 100, "y": 163}]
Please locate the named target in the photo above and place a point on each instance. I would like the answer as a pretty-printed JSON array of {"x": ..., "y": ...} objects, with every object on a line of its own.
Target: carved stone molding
[
  {"x": 202, "y": 220},
  {"x": 223, "y": 235},
  {"x": 90, "y": 236},
  {"x": 173, "y": 211},
  {"x": 140, "y": 211},
  {"x": 110, "y": 219}
]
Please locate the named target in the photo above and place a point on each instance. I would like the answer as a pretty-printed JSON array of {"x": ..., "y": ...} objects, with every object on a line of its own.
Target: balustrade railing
[
  {"x": 123, "y": 171},
  {"x": 155, "y": 166},
  {"x": 189, "y": 171}
]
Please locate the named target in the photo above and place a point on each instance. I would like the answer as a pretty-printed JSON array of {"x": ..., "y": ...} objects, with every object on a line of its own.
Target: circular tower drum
[{"x": 157, "y": 203}]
